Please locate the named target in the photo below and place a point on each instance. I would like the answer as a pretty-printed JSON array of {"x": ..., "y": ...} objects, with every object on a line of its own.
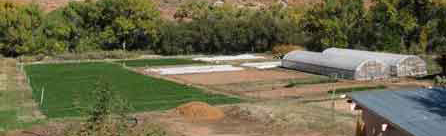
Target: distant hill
[{"x": 168, "y": 7}]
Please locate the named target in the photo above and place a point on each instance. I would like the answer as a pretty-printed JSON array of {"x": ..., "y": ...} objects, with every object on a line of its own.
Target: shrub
[
  {"x": 281, "y": 50},
  {"x": 440, "y": 81},
  {"x": 98, "y": 55},
  {"x": 40, "y": 57},
  {"x": 107, "y": 116}
]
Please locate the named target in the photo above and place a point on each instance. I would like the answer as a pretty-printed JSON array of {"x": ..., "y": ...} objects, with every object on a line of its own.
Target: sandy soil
[
  {"x": 238, "y": 77},
  {"x": 340, "y": 105},
  {"x": 233, "y": 124}
]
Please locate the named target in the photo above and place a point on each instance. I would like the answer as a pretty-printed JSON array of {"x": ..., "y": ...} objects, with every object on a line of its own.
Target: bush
[
  {"x": 440, "y": 81},
  {"x": 40, "y": 57},
  {"x": 281, "y": 50},
  {"x": 98, "y": 55},
  {"x": 107, "y": 116}
]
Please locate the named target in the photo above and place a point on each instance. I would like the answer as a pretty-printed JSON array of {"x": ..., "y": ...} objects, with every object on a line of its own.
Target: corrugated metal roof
[
  {"x": 334, "y": 61},
  {"x": 418, "y": 111},
  {"x": 388, "y": 58}
]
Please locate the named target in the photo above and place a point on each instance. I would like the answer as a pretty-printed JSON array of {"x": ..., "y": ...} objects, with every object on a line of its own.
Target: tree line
[
  {"x": 401, "y": 26},
  {"x": 199, "y": 27},
  {"x": 405, "y": 26}
]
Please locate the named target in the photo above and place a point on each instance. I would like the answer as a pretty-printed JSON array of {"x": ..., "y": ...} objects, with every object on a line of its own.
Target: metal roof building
[
  {"x": 400, "y": 65},
  {"x": 343, "y": 67},
  {"x": 408, "y": 112}
]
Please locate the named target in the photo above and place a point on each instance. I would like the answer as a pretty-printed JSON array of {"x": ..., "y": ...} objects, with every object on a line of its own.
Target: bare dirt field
[
  {"x": 280, "y": 118},
  {"x": 238, "y": 77},
  {"x": 278, "y": 91},
  {"x": 272, "y": 118},
  {"x": 302, "y": 91}
]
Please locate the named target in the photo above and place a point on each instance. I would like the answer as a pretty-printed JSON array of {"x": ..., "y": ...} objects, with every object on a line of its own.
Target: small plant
[
  {"x": 107, "y": 116},
  {"x": 98, "y": 55},
  {"x": 440, "y": 81}
]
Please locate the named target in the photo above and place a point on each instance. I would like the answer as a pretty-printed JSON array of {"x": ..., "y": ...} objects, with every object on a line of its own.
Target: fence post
[{"x": 42, "y": 95}]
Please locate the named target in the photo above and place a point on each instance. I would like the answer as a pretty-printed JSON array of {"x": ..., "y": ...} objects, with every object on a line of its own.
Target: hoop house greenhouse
[
  {"x": 342, "y": 67},
  {"x": 400, "y": 65}
]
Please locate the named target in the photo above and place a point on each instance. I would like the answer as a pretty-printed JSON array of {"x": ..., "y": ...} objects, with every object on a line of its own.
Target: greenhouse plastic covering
[
  {"x": 262, "y": 65},
  {"x": 388, "y": 58},
  {"x": 226, "y": 58},
  {"x": 333, "y": 61},
  {"x": 194, "y": 69}
]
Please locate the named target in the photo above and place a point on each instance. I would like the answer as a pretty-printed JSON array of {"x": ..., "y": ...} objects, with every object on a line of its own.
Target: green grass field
[
  {"x": 67, "y": 85},
  {"x": 158, "y": 62}
]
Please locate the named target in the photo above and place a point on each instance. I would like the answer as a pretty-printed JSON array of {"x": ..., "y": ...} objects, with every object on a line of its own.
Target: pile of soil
[{"x": 200, "y": 111}]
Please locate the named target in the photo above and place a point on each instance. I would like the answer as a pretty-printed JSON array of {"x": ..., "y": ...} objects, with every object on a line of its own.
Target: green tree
[
  {"x": 21, "y": 31},
  {"x": 205, "y": 28},
  {"x": 394, "y": 24},
  {"x": 75, "y": 25},
  {"x": 108, "y": 24},
  {"x": 128, "y": 24},
  {"x": 335, "y": 23}
]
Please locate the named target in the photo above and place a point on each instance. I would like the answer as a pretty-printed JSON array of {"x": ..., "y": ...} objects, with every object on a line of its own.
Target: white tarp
[
  {"x": 194, "y": 69},
  {"x": 263, "y": 65},
  {"x": 225, "y": 58}
]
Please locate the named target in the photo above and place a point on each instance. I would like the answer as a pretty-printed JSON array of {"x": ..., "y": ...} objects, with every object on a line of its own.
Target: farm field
[
  {"x": 158, "y": 62},
  {"x": 70, "y": 84},
  {"x": 239, "y": 77},
  {"x": 281, "y": 101}
]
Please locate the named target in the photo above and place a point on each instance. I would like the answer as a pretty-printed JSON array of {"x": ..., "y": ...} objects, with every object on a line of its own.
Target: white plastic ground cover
[
  {"x": 263, "y": 65},
  {"x": 225, "y": 58},
  {"x": 194, "y": 69}
]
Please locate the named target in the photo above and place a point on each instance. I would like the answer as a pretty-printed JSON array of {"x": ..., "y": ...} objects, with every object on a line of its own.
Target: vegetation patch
[
  {"x": 312, "y": 80},
  {"x": 357, "y": 89},
  {"x": 68, "y": 87},
  {"x": 158, "y": 62},
  {"x": 7, "y": 118},
  {"x": 433, "y": 67},
  {"x": 16, "y": 110}
]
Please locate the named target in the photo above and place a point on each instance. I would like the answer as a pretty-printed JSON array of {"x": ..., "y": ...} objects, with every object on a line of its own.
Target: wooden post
[{"x": 42, "y": 96}]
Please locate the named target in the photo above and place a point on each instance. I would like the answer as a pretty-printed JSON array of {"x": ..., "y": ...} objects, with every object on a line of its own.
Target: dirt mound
[{"x": 200, "y": 111}]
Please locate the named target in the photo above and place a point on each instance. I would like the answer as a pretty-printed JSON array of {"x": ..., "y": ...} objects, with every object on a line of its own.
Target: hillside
[{"x": 168, "y": 7}]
